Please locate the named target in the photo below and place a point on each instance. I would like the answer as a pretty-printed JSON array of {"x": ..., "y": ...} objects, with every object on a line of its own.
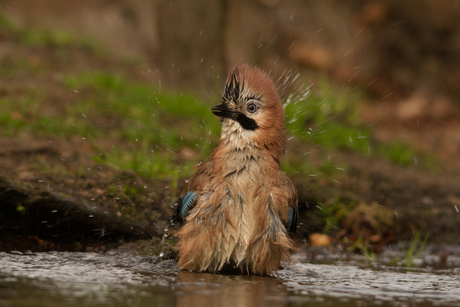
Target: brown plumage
[{"x": 239, "y": 206}]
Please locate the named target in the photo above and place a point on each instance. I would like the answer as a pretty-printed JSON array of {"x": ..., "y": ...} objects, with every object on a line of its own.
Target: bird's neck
[{"x": 247, "y": 144}]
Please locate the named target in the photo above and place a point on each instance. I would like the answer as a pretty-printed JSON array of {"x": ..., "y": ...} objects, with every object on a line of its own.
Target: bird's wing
[
  {"x": 289, "y": 207},
  {"x": 292, "y": 220},
  {"x": 189, "y": 196},
  {"x": 186, "y": 202}
]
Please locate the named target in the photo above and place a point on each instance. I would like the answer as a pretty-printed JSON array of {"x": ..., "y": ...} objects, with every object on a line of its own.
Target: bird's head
[{"x": 251, "y": 111}]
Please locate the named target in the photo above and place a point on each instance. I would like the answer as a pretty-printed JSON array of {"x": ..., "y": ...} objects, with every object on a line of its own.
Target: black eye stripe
[{"x": 246, "y": 122}]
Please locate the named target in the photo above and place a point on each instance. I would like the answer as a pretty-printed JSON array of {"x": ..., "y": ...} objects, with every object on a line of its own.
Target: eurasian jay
[{"x": 239, "y": 207}]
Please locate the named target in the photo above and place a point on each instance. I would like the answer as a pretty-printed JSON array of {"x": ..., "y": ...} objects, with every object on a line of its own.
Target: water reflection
[
  {"x": 90, "y": 279},
  {"x": 226, "y": 290}
]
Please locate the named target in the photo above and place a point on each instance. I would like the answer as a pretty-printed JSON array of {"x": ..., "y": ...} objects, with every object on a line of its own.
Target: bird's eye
[{"x": 252, "y": 108}]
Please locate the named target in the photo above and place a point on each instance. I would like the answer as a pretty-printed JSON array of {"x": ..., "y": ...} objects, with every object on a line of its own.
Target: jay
[{"x": 239, "y": 208}]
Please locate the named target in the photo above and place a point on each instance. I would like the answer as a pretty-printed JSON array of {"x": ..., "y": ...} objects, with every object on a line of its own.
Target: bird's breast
[{"x": 244, "y": 182}]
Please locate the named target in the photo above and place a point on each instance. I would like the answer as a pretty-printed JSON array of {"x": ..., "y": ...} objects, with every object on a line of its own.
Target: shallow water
[{"x": 111, "y": 279}]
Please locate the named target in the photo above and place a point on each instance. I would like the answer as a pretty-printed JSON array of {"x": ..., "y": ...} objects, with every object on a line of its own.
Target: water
[{"x": 111, "y": 279}]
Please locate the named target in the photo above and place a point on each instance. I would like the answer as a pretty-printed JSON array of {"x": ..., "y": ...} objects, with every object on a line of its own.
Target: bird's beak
[{"x": 222, "y": 110}]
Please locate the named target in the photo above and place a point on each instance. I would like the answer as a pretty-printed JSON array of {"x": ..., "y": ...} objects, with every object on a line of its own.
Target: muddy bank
[
  {"x": 381, "y": 201},
  {"x": 382, "y": 204},
  {"x": 29, "y": 216}
]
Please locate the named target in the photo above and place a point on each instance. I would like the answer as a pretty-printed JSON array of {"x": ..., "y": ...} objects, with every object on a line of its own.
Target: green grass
[
  {"x": 157, "y": 124},
  {"x": 144, "y": 109},
  {"x": 333, "y": 213},
  {"x": 329, "y": 117},
  {"x": 298, "y": 165},
  {"x": 28, "y": 113},
  {"x": 152, "y": 125},
  {"x": 412, "y": 254},
  {"x": 363, "y": 246}
]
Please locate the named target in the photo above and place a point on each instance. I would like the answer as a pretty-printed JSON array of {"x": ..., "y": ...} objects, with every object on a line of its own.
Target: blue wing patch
[
  {"x": 185, "y": 204},
  {"x": 292, "y": 220}
]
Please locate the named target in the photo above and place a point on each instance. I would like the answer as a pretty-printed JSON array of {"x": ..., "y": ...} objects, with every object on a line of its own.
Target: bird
[{"x": 238, "y": 211}]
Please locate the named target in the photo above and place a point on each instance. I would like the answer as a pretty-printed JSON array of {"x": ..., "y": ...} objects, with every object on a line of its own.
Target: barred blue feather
[
  {"x": 292, "y": 220},
  {"x": 186, "y": 203}
]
